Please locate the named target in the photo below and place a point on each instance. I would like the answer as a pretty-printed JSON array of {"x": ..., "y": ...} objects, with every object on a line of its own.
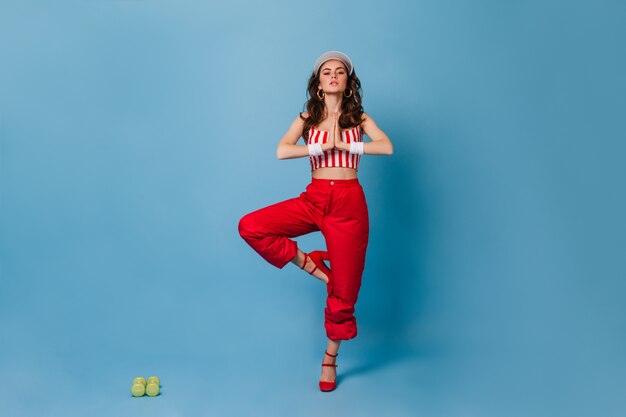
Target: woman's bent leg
[{"x": 268, "y": 230}]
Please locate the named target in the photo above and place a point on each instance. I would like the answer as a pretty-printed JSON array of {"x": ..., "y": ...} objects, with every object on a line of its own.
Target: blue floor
[{"x": 79, "y": 360}]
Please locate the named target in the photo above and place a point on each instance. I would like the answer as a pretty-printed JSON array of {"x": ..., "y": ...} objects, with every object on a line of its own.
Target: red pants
[{"x": 338, "y": 209}]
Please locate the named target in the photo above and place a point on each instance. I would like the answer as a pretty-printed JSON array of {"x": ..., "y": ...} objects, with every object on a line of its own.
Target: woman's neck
[{"x": 333, "y": 102}]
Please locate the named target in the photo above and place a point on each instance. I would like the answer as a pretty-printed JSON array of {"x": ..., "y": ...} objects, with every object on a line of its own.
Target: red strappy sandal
[
  {"x": 325, "y": 385},
  {"x": 317, "y": 257}
]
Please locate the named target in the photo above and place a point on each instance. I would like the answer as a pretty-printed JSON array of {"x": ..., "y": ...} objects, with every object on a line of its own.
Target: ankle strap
[
  {"x": 306, "y": 255},
  {"x": 332, "y": 356}
]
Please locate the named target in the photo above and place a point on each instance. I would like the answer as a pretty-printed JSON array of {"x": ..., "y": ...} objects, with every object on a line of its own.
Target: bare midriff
[{"x": 334, "y": 173}]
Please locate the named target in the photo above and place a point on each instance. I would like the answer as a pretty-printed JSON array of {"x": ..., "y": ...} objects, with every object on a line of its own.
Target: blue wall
[{"x": 135, "y": 134}]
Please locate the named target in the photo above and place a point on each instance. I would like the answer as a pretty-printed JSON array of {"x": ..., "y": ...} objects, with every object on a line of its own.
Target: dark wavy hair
[{"x": 351, "y": 107}]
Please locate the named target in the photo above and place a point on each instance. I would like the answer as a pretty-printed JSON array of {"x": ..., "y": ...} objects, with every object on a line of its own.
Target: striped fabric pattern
[{"x": 335, "y": 157}]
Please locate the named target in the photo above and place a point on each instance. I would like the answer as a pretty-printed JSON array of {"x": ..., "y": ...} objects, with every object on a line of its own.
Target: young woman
[{"x": 333, "y": 203}]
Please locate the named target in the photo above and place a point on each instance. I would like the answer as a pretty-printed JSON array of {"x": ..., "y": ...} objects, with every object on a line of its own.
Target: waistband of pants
[{"x": 330, "y": 183}]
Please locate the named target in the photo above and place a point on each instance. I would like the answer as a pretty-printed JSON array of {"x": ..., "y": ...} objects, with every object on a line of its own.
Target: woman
[{"x": 333, "y": 203}]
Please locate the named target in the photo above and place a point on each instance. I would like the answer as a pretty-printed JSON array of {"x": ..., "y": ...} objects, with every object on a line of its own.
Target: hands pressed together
[{"x": 335, "y": 140}]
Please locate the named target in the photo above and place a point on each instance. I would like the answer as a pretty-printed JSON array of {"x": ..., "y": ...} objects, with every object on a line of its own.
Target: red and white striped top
[{"x": 335, "y": 157}]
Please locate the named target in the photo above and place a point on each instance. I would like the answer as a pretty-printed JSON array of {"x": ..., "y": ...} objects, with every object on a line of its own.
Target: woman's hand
[
  {"x": 336, "y": 128},
  {"x": 332, "y": 142},
  {"x": 339, "y": 143}
]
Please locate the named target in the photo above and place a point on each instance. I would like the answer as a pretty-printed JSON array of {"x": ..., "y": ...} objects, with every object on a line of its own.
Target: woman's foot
[
  {"x": 304, "y": 261},
  {"x": 317, "y": 273},
  {"x": 329, "y": 373}
]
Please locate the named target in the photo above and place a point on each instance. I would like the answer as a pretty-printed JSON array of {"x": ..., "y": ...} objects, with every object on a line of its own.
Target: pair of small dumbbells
[{"x": 141, "y": 386}]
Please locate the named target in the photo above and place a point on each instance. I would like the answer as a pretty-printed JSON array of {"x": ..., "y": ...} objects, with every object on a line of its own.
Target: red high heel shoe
[
  {"x": 318, "y": 257},
  {"x": 325, "y": 385}
]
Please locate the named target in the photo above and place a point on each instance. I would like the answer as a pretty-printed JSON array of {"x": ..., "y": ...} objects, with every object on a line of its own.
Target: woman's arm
[
  {"x": 287, "y": 147},
  {"x": 380, "y": 144}
]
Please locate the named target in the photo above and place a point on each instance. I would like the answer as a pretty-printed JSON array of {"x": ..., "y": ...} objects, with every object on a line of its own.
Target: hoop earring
[
  {"x": 349, "y": 95},
  {"x": 318, "y": 94}
]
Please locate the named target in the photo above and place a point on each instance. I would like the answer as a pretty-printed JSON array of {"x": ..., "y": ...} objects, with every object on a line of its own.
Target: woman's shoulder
[
  {"x": 365, "y": 118},
  {"x": 301, "y": 119}
]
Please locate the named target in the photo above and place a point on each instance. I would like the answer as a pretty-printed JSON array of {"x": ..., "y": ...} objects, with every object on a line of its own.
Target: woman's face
[{"x": 333, "y": 76}]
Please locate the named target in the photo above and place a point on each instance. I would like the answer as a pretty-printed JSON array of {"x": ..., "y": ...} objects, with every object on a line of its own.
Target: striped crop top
[{"x": 335, "y": 157}]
